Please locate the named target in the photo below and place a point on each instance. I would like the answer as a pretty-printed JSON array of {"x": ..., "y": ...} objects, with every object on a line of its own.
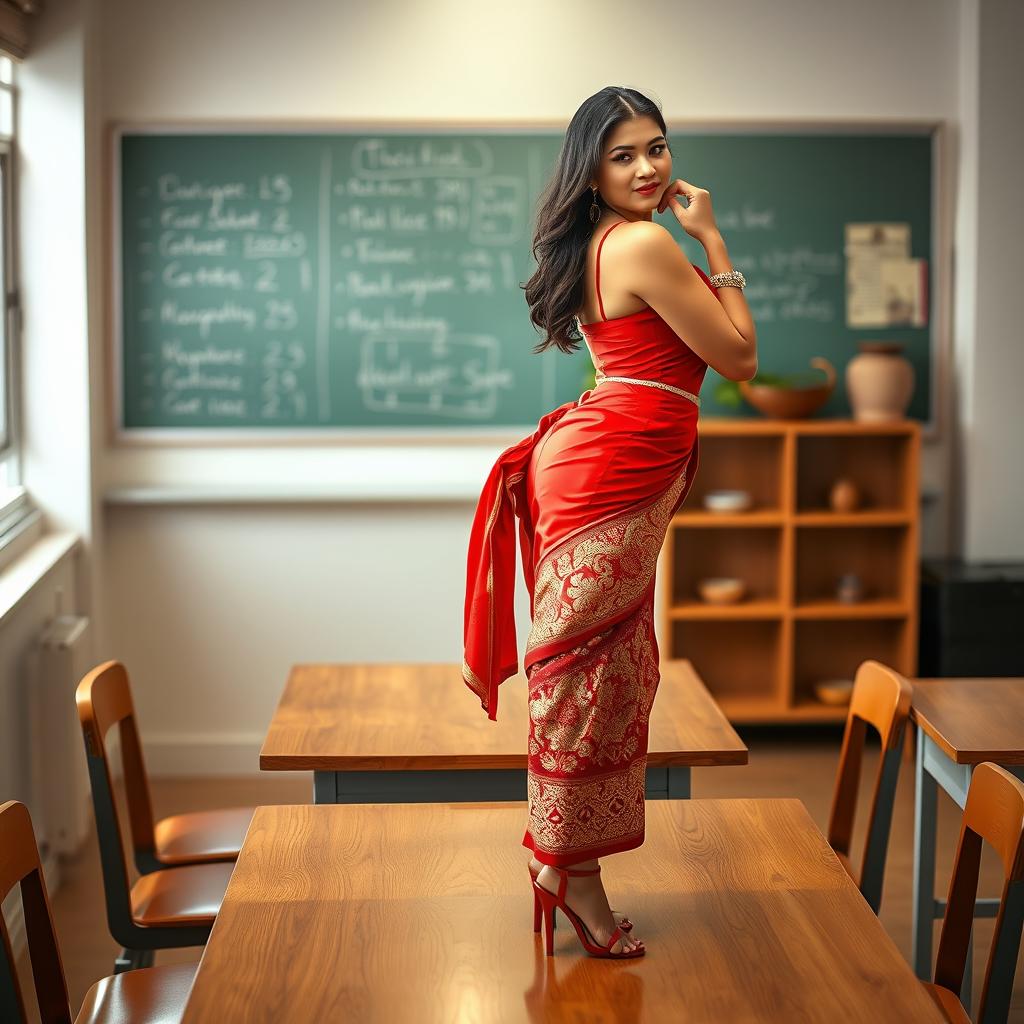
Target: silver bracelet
[{"x": 730, "y": 279}]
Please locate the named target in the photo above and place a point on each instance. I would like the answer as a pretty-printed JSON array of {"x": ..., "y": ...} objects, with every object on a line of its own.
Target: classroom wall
[
  {"x": 51, "y": 182},
  {"x": 989, "y": 354},
  {"x": 210, "y": 603}
]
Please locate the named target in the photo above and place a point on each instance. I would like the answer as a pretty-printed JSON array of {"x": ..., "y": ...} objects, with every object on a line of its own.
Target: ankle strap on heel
[{"x": 565, "y": 873}]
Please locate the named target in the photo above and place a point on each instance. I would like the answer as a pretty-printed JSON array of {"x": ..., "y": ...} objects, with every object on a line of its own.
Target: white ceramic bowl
[
  {"x": 727, "y": 501},
  {"x": 721, "y": 589},
  {"x": 834, "y": 691}
]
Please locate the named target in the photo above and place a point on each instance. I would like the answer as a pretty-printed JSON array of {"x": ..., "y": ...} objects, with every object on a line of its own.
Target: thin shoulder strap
[{"x": 597, "y": 267}]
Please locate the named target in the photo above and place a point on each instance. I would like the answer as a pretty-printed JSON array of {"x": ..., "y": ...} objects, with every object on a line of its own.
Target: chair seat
[
  {"x": 180, "y": 897},
  {"x": 153, "y": 995},
  {"x": 949, "y": 1003},
  {"x": 202, "y": 836}
]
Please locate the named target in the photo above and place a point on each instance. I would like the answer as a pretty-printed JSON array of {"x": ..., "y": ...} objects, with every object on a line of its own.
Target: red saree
[{"x": 594, "y": 489}]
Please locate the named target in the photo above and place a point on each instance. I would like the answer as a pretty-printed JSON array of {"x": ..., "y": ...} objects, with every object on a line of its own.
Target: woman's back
[
  {"x": 610, "y": 301},
  {"x": 638, "y": 344}
]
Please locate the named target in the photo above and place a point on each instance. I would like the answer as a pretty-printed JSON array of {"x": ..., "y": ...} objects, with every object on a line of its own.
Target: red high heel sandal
[
  {"x": 549, "y": 901},
  {"x": 625, "y": 924}
]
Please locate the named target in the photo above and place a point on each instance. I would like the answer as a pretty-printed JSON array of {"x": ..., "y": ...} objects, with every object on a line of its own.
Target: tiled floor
[{"x": 782, "y": 763}]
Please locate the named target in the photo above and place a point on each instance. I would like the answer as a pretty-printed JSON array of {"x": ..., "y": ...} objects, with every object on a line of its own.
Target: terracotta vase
[{"x": 879, "y": 382}]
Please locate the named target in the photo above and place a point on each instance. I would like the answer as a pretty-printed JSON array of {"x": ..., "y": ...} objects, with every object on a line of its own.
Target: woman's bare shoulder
[{"x": 650, "y": 241}]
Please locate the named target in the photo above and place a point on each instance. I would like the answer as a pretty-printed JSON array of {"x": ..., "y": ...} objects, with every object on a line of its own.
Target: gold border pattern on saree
[{"x": 600, "y": 570}]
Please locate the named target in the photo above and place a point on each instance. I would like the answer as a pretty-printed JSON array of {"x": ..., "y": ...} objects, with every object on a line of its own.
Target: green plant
[{"x": 727, "y": 392}]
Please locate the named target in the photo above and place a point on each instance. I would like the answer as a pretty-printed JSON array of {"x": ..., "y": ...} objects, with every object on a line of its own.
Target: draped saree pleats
[
  {"x": 590, "y": 705},
  {"x": 591, "y": 656}
]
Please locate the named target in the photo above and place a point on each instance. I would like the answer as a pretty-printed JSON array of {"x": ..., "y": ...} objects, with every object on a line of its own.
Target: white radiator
[{"x": 60, "y": 781}]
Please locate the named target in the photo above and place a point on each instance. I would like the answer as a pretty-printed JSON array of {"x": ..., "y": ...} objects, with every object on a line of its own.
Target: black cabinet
[{"x": 972, "y": 618}]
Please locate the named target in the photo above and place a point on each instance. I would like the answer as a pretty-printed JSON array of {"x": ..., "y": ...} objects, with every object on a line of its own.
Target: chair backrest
[
  {"x": 19, "y": 863},
  {"x": 881, "y": 698},
  {"x": 104, "y": 700},
  {"x": 994, "y": 812}
]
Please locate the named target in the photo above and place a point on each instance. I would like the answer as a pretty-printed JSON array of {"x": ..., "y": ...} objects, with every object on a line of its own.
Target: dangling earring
[{"x": 595, "y": 208}]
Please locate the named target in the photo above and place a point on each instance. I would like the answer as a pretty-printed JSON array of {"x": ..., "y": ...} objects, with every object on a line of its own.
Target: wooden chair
[
  {"x": 994, "y": 812},
  {"x": 169, "y": 907},
  {"x": 157, "y": 994},
  {"x": 881, "y": 698},
  {"x": 197, "y": 837}
]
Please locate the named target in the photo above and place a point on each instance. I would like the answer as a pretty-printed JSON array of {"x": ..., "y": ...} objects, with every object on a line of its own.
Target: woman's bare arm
[
  {"x": 732, "y": 299},
  {"x": 654, "y": 267}
]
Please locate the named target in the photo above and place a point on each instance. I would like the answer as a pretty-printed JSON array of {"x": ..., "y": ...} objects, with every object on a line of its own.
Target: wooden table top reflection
[
  {"x": 422, "y": 913},
  {"x": 421, "y": 716}
]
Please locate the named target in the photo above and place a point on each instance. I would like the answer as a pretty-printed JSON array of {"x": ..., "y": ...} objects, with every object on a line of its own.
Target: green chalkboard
[{"x": 361, "y": 281}]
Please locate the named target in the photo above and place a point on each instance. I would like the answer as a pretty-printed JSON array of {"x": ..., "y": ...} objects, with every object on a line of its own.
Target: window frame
[
  {"x": 8, "y": 420},
  {"x": 17, "y": 512}
]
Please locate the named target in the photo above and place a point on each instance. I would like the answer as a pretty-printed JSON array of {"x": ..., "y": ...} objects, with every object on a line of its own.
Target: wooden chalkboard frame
[{"x": 940, "y": 266}]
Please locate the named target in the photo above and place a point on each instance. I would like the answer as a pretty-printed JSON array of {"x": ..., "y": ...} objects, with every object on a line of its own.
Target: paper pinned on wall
[{"x": 885, "y": 286}]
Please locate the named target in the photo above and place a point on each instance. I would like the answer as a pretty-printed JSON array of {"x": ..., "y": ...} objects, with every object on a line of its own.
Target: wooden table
[
  {"x": 422, "y": 913},
  {"x": 960, "y": 723},
  {"x": 379, "y": 733}
]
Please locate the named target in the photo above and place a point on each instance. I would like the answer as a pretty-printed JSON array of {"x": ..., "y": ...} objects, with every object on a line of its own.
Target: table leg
[{"x": 925, "y": 806}]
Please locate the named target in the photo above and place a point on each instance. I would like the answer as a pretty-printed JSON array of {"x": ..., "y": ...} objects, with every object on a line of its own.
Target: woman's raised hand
[{"x": 696, "y": 218}]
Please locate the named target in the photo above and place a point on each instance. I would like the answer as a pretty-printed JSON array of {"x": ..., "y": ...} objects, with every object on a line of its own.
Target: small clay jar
[
  {"x": 849, "y": 589},
  {"x": 844, "y": 496}
]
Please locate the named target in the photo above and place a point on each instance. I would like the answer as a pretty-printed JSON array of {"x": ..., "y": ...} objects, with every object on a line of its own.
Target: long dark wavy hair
[{"x": 563, "y": 227}]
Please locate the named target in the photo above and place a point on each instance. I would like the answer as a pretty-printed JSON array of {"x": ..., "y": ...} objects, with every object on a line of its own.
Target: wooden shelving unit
[{"x": 762, "y": 656}]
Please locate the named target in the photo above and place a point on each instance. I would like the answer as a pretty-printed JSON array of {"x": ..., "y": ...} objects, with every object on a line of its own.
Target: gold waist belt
[{"x": 653, "y": 384}]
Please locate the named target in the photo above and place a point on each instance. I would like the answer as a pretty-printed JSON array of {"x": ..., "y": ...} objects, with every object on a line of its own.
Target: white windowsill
[{"x": 18, "y": 579}]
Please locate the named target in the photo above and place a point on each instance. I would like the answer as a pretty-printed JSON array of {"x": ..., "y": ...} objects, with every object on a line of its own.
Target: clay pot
[
  {"x": 844, "y": 496},
  {"x": 879, "y": 382},
  {"x": 850, "y": 588},
  {"x": 791, "y": 403}
]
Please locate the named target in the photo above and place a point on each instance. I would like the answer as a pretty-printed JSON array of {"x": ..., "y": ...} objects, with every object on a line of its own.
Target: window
[{"x": 14, "y": 504}]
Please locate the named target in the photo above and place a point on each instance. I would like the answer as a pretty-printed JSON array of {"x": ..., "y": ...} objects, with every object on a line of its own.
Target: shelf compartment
[
  {"x": 751, "y": 553},
  {"x": 834, "y": 649},
  {"x": 879, "y": 464},
  {"x": 761, "y": 656},
  {"x": 878, "y": 554},
  {"x": 738, "y": 660},
  {"x": 751, "y": 463}
]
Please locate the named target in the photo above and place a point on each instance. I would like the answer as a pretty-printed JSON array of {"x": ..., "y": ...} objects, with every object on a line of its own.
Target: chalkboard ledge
[{"x": 444, "y": 491}]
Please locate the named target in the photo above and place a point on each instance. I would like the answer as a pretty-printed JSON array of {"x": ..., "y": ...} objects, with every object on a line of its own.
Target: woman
[{"x": 594, "y": 488}]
